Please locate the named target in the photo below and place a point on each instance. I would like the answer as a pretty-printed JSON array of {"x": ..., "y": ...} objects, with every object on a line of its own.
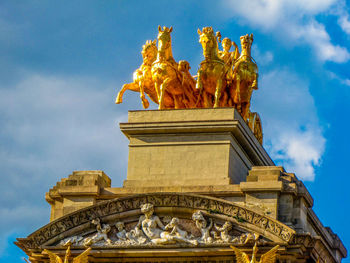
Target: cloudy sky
[{"x": 63, "y": 62}]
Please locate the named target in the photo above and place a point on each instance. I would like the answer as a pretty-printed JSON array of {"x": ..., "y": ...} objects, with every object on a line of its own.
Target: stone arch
[{"x": 166, "y": 203}]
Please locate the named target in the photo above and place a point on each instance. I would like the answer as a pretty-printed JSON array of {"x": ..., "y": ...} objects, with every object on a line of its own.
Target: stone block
[
  {"x": 198, "y": 145},
  {"x": 79, "y": 190}
]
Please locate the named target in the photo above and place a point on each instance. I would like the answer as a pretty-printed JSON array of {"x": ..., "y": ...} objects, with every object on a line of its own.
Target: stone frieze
[{"x": 213, "y": 207}]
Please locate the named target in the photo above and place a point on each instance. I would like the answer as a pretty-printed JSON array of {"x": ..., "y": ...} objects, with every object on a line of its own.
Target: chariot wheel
[{"x": 254, "y": 123}]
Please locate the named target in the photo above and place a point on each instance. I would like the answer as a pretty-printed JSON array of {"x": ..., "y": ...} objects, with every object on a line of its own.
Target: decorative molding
[{"x": 241, "y": 216}]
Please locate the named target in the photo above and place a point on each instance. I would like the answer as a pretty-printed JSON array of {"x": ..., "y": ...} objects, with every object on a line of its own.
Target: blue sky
[{"x": 63, "y": 62}]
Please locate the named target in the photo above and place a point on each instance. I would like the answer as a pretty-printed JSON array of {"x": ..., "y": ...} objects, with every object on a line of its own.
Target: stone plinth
[
  {"x": 77, "y": 191},
  {"x": 190, "y": 147}
]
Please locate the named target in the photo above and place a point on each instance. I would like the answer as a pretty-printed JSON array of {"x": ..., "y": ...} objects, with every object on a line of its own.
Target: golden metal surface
[
  {"x": 82, "y": 258},
  {"x": 142, "y": 77},
  {"x": 225, "y": 78},
  {"x": 268, "y": 257}
]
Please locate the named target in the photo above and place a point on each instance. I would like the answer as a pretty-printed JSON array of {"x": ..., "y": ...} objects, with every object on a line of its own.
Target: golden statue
[
  {"x": 82, "y": 258},
  {"x": 225, "y": 78},
  {"x": 142, "y": 77},
  {"x": 228, "y": 57},
  {"x": 245, "y": 77},
  {"x": 167, "y": 78},
  {"x": 268, "y": 257},
  {"x": 211, "y": 79}
]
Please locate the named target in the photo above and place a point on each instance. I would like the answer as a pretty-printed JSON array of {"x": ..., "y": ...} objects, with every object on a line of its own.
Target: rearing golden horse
[
  {"x": 211, "y": 81},
  {"x": 142, "y": 77},
  {"x": 167, "y": 78}
]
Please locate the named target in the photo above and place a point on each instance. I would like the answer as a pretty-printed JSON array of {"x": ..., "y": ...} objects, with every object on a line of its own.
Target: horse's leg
[
  {"x": 207, "y": 100},
  {"x": 153, "y": 96},
  {"x": 157, "y": 88},
  {"x": 163, "y": 88},
  {"x": 145, "y": 102},
  {"x": 218, "y": 89},
  {"x": 176, "y": 102},
  {"x": 199, "y": 84},
  {"x": 237, "y": 97},
  {"x": 224, "y": 100},
  {"x": 130, "y": 86}
]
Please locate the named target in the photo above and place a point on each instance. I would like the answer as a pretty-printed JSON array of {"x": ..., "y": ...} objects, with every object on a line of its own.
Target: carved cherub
[
  {"x": 121, "y": 234},
  {"x": 102, "y": 231},
  {"x": 224, "y": 235},
  {"x": 177, "y": 234},
  {"x": 136, "y": 236},
  {"x": 74, "y": 240},
  {"x": 201, "y": 223},
  {"x": 246, "y": 237}
]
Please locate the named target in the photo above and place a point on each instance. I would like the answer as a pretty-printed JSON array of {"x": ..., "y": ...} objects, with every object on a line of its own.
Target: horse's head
[
  {"x": 209, "y": 42},
  {"x": 164, "y": 38},
  {"x": 246, "y": 43},
  {"x": 184, "y": 66},
  {"x": 149, "y": 51}
]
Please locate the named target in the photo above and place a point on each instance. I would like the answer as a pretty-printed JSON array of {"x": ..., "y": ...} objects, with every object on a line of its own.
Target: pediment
[{"x": 187, "y": 220}]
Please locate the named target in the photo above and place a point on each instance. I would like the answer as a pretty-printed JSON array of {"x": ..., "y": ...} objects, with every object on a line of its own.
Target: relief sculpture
[
  {"x": 102, "y": 233},
  {"x": 130, "y": 234},
  {"x": 151, "y": 230}
]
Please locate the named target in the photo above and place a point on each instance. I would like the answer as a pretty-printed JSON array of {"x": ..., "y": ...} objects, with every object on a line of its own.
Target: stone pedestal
[
  {"x": 196, "y": 147},
  {"x": 79, "y": 190}
]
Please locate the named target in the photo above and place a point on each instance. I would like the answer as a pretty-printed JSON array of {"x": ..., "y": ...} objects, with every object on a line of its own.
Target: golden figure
[
  {"x": 245, "y": 77},
  {"x": 142, "y": 77},
  {"x": 269, "y": 257},
  {"x": 225, "y": 78},
  {"x": 226, "y": 55},
  {"x": 189, "y": 85},
  {"x": 82, "y": 258},
  {"x": 166, "y": 76},
  {"x": 212, "y": 72}
]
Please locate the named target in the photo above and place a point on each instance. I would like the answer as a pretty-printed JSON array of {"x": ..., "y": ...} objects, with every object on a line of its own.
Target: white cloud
[
  {"x": 262, "y": 58},
  {"x": 343, "y": 81},
  {"x": 51, "y": 126},
  {"x": 344, "y": 23},
  {"x": 292, "y": 133},
  {"x": 346, "y": 82},
  {"x": 341, "y": 11},
  {"x": 292, "y": 21}
]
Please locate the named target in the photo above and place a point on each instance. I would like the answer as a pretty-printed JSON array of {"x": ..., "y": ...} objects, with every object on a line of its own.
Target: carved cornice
[{"x": 243, "y": 217}]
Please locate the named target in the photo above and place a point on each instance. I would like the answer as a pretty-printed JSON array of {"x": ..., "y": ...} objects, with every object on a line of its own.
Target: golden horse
[
  {"x": 211, "y": 81},
  {"x": 142, "y": 77},
  {"x": 245, "y": 77},
  {"x": 166, "y": 76}
]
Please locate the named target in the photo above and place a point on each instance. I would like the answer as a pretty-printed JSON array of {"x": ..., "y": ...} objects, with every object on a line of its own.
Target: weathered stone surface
[
  {"x": 188, "y": 147},
  {"x": 77, "y": 191}
]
